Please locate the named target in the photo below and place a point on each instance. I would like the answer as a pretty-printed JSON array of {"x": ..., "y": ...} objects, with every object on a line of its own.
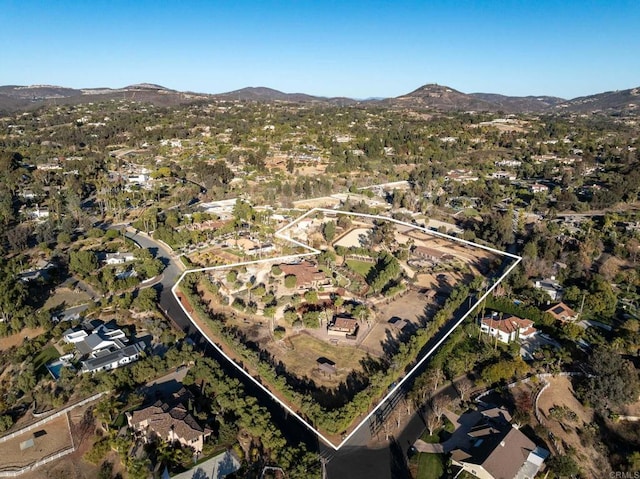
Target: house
[
  {"x": 508, "y": 329},
  {"x": 307, "y": 274},
  {"x": 494, "y": 449},
  {"x": 39, "y": 213},
  {"x": 538, "y": 188},
  {"x": 562, "y": 312},
  {"x": 104, "y": 349},
  {"x": 138, "y": 179},
  {"x": 260, "y": 250},
  {"x": 170, "y": 422},
  {"x": 551, "y": 287},
  {"x": 342, "y": 326},
  {"x": 118, "y": 258},
  {"x": 504, "y": 175},
  {"x": 107, "y": 359}
]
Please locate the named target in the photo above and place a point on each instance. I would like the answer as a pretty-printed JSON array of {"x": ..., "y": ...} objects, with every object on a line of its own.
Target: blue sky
[{"x": 359, "y": 49}]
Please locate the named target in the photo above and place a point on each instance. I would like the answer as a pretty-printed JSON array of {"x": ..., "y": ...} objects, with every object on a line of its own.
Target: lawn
[
  {"x": 45, "y": 356},
  {"x": 360, "y": 267},
  {"x": 430, "y": 466}
]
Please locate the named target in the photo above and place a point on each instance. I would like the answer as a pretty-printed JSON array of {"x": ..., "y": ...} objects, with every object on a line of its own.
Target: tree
[
  {"x": 146, "y": 300},
  {"x": 463, "y": 386},
  {"x": 329, "y": 231},
  {"x": 439, "y": 404},
  {"x": 614, "y": 381},
  {"x": 311, "y": 296},
  {"x": 290, "y": 281},
  {"x": 564, "y": 466},
  {"x": 83, "y": 262}
]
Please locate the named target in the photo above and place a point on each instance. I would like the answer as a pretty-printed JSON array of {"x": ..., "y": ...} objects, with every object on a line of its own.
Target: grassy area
[
  {"x": 430, "y": 466},
  {"x": 360, "y": 267},
  {"x": 45, "y": 356},
  {"x": 430, "y": 438},
  {"x": 441, "y": 434}
]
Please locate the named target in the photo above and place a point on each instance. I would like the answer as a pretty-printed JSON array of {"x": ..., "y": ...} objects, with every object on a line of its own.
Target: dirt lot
[
  {"x": 478, "y": 259},
  {"x": 560, "y": 393},
  {"x": 356, "y": 237},
  {"x": 301, "y": 352},
  {"x": 51, "y": 438},
  {"x": 67, "y": 297},
  {"x": 16, "y": 339},
  {"x": 444, "y": 281},
  {"x": 410, "y": 307}
]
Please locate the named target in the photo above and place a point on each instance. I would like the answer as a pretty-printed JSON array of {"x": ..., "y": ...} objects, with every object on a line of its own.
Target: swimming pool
[{"x": 55, "y": 368}]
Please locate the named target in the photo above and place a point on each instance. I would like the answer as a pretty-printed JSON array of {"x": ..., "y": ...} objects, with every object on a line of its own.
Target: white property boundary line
[{"x": 312, "y": 252}]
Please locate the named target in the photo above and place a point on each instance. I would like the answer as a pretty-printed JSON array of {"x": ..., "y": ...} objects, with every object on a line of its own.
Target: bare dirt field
[
  {"x": 410, "y": 307},
  {"x": 66, "y": 297},
  {"x": 73, "y": 466},
  {"x": 325, "y": 201},
  {"x": 444, "y": 282},
  {"x": 299, "y": 353},
  {"x": 478, "y": 259},
  {"x": 18, "y": 338},
  {"x": 560, "y": 393},
  {"x": 51, "y": 438},
  {"x": 355, "y": 237}
]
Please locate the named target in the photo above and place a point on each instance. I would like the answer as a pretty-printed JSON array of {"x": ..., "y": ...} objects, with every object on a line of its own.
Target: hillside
[
  {"x": 519, "y": 104},
  {"x": 624, "y": 101},
  {"x": 428, "y": 97},
  {"x": 439, "y": 97},
  {"x": 264, "y": 94},
  {"x": 13, "y": 97}
]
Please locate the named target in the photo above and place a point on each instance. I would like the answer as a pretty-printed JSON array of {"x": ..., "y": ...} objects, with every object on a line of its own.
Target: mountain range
[{"x": 427, "y": 97}]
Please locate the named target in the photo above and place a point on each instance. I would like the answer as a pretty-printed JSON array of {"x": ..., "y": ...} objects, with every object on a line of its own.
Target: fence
[
  {"x": 49, "y": 418},
  {"x": 41, "y": 462}
]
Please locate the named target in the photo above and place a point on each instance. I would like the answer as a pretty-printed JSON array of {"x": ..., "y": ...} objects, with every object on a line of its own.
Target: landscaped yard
[
  {"x": 430, "y": 466},
  {"x": 48, "y": 354},
  {"x": 360, "y": 267}
]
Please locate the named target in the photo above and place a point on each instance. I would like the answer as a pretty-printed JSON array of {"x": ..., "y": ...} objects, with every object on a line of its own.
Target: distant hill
[
  {"x": 624, "y": 101},
  {"x": 439, "y": 97},
  {"x": 13, "y": 97},
  {"x": 519, "y": 104},
  {"x": 428, "y": 97},
  {"x": 264, "y": 94}
]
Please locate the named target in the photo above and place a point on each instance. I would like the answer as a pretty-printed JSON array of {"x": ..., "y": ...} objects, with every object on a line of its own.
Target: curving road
[{"x": 173, "y": 270}]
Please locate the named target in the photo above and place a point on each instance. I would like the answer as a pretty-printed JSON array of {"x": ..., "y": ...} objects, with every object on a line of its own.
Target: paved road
[{"x": 173, "y": 270}]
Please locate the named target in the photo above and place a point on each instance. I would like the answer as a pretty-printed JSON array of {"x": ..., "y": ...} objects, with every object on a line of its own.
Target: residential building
[
  {"x": 118, "y": 258},
  {"x": 562, "y": 312},
  {"x": 342, "y": 326},
  {"x": 538, "y": 188},
  {"x": 170, "y": 422},
  {"x": 104, "y": 349},
  {"x": 508, "y": 329},
  {"x": 107, "y": 359},
  {"x": 307, "y": 274},
  {"x": 261, "y": 249},
  {"x": 551, "y": 287},
  {"x": 494, "y": 449}
]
